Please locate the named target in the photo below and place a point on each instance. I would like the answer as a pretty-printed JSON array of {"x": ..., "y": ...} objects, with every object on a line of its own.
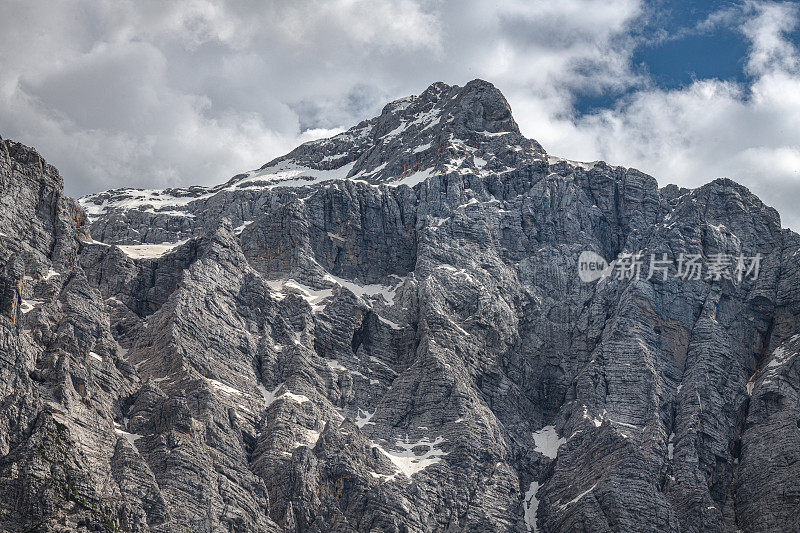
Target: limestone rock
[{"x": 386, "y": 331}]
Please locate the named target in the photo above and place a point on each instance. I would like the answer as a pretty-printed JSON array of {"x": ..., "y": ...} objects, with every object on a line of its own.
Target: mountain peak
[
  {"x": 447, "y": 128},
  {"x": 478, "y": 106},
  {"x": 486, "y": 109}
]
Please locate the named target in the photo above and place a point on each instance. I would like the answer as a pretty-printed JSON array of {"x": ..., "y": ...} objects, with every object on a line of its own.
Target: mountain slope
[{"x": 386, "y": 330}]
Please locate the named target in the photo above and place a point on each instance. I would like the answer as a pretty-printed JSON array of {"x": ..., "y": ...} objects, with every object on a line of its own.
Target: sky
[{"x": 159, "y": 94}]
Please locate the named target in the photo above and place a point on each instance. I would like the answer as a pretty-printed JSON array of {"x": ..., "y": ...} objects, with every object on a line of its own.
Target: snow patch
[
  {"x": 779, "y": 357},
  {"x": 596, "y": 421},
  {"x": 290, "y": 174},
  {"x": 282, "y": 174},
  {"x": 314, "y": 297},
  {"x": 364, "y": 419},
  {"x": 397, "y": 131},
  {"x": 223, "y": 388},
  {"x": 428, "y": 118},
  {"x": 369, "y": 291},
  {"x": 552, "y": 160},
  {"x": 130, "y": 437},
  {"x": 393, "y": 325},
  {"x": 457, "y": 272},
  {"x": 547, "y": 441},
  {"x": 531, "y": 505},
  {"x": 413, "y": 179},
  {"x": 271, "y": 397},
  {"x": 148, "y": 251},
  {"x": 239, "y": 229},
  {"x": 149, "y": 200},
  {"x": 578, "y": 497},
  {"x": 421, "y": 148},
  {"x": 408, "y": 462},
  {"x": 333, "y": 364},
  {"x": 26, "y": 306}
]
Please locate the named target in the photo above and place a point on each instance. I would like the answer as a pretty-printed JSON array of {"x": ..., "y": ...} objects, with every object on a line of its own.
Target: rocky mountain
[{"x": 387, "y": 331}]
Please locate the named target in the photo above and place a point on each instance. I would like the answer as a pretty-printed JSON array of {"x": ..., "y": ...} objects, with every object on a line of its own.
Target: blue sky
[
  {"x": 673, "y": 52},
  {"x": 688, "y": 52},
  {"x": 152, "y": 94}
]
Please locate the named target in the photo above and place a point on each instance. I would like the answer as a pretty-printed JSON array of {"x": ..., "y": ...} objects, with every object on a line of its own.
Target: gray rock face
[{"x": 386, "y": 331}]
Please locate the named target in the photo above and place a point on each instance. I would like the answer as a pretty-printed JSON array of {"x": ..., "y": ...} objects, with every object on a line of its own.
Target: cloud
[
  {"x": 749, "y": 132},
  {"x": 770, "y": 50},
  {"x": 157, "y": 94},
  {"x": 153, "y": 94}
]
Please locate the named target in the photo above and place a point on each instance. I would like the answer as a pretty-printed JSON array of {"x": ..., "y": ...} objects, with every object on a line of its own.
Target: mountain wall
[{"x": 386, "y": 331}]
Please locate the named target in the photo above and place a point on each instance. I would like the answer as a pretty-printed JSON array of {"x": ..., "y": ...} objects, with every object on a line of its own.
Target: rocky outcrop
[{"x": 386, "y": 331}]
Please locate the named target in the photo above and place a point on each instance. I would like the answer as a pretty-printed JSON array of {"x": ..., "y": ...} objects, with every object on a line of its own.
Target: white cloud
[
  {"x": 711, "y": 128},
  {"x": 194, "y": 91},
  {"x": 766, "y": 31},
  {"x": 154, "y": 94}
]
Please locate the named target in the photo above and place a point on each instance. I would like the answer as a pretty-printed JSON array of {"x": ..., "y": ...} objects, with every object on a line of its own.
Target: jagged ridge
[{"x": 347, "y": 356}]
